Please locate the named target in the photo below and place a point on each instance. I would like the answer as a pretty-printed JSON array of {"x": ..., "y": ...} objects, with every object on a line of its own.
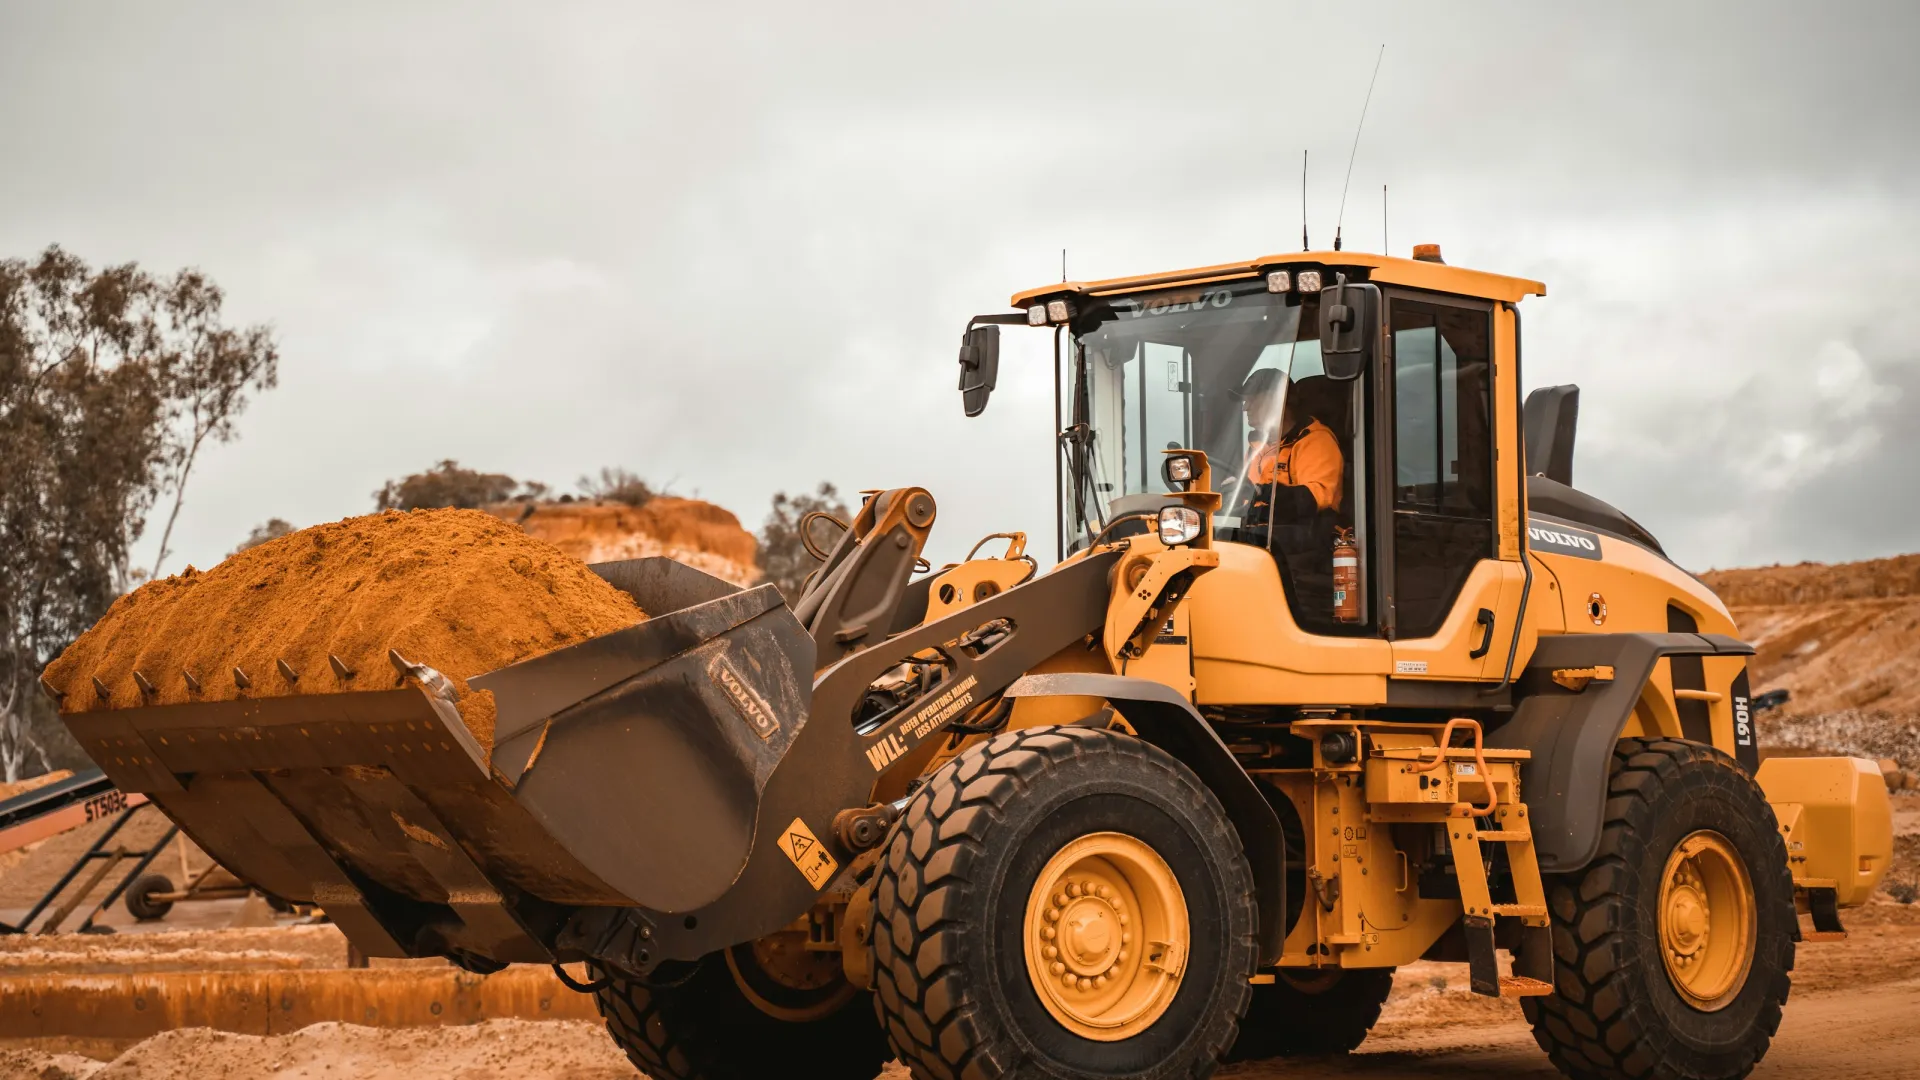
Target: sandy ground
[{"x": 1862, "y": 994}]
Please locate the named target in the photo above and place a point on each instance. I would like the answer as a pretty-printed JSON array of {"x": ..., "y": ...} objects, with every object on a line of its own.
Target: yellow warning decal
[{"x": 809, "y": 855}]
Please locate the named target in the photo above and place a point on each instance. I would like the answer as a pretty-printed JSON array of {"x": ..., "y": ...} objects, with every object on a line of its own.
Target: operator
[{"x": 1291, "y": 447}]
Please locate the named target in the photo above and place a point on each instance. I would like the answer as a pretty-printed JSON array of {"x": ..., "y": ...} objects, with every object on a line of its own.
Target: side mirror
[
  {"x": 979, "y": 367},
  {"x": 1349, "y": 322}
]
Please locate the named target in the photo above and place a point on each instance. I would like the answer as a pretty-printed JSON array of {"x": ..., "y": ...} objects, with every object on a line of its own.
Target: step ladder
[{"x": 1533, "y": 962}]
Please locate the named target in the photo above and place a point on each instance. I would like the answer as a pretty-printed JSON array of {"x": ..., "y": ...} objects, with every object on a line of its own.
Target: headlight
[
  {"x": 1178, "y": 469},
  {"x": 1037, "y": 315},
  {"x": 1058, "y": 311},
  {"x": 1279, "y": 281},
  {"x": 1309, "y": 281},
  {"x": 1179, "y": 525}
]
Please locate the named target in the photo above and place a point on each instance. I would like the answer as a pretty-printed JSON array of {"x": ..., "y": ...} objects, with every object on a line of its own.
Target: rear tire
[
  {"x": 708, "y": 1028},
  {"x": 139, "y": 897},
  {"x": 1062, "y": 829},
  {"x": 1661, "y": 970},
  {"x": 1312, "y": 1013}
]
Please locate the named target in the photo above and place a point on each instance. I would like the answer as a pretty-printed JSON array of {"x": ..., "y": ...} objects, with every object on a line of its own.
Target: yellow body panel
[
  {"x": 1248, "y": 650},
  {"x": 1838, "y": 821}
]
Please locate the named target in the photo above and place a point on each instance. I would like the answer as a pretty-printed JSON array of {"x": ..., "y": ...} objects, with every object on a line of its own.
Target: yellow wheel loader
[{"x": 1336, "y": 671}]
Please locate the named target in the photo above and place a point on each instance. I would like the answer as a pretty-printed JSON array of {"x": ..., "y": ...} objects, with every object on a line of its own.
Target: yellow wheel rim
[
  {"x": 785, "y": 979},
  {"x": 1706, "y": 920},
  {"x": 1106, "y": 936}
]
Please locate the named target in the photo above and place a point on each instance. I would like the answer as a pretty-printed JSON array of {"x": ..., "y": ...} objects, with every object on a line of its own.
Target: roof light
[
  {"x": 1037, "y": 315},
  {"x": 1309, "y": 281},
  {"x": 1279, "y": 281},
  {"x": 1059, "y": 311},
  {"x": 1179, "y": 525},
  {"x": 1428, "y": 253}
]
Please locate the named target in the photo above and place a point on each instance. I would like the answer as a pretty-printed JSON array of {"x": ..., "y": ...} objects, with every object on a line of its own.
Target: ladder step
[
  {"x": 1823, "y": 935},
  {"x": 1503, "y": 835},
  {"x": 1520, "y": 909},
  {"x": 1519, "y": 986}
]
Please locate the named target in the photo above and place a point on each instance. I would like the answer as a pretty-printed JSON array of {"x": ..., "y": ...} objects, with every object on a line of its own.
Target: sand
[
  {"x": 699, "y": 534},
  {"x": 457, "y": 590}
]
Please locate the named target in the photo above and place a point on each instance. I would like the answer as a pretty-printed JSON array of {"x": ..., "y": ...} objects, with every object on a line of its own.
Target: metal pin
[
  {"x": 193, "y": 684},
  {"x": 240, "y": 678},
  {"x": 56, "y": 696},
  {"x": 146, "y": 687},
  {"x": 340, "y": 668},
  {"x": 286, "y": 671},
  {"x": 100, "y": 688}
]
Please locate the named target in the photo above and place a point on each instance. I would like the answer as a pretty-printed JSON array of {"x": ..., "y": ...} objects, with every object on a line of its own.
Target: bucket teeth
[
  {"x": 437, "y": 684},
  {"x": 54, "y": 695},
  {"x": 240, "y": 678},
  {"x": 146, "y": 688},
  {"x": 193, "y": 684},
  {"x": 340, "y": 668},
  {"x": 286, "y": 671},
  {"x": 100, "y": 689}
]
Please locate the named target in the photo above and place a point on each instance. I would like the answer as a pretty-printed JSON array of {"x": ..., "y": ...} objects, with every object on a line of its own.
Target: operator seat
[{"x": 1303, "y": 546}]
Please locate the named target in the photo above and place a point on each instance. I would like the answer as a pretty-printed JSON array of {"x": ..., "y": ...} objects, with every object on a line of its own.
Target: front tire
[
  {"x": 1054, "y": 854},
  {"x": 733, "y": 1020},
  {"x": 1672, "y": 948}
]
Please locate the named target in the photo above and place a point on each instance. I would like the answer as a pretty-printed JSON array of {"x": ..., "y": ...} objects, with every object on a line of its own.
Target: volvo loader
[{"x": 1335, "y": 670}]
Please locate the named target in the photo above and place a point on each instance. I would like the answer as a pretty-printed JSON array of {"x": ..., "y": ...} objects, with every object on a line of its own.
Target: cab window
[{"x": 1442, "y": 458}]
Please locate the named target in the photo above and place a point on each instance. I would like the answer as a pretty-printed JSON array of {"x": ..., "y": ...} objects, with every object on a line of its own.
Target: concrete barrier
[{"x": 135, "y": 1006}]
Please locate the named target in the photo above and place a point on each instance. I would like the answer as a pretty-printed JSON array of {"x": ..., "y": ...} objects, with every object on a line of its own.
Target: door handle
[{"x": 1484, "y": 619}]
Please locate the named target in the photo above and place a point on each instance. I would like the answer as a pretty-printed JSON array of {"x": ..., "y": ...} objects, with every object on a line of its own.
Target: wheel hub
[
  {"x": 1106, "y": 936},
  {"x": 1706, "y": 917}
]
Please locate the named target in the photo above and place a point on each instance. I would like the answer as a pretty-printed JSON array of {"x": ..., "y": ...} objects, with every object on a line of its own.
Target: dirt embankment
[
  {"x": 697, "y": 533},
  {"x": 1837, "y": 637},
  {"x": 457, "y": 590}
]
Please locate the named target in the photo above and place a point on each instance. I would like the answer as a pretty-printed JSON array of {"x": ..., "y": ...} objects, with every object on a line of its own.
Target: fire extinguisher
[{"x": 1346, "y": 577}]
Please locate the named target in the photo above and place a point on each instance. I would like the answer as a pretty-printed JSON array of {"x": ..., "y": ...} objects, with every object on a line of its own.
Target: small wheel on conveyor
[
  {"x": 139, "y": 897},
  {"x": 766, "y": 1008}
]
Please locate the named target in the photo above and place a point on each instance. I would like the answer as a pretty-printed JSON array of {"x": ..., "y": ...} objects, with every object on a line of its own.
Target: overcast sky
[{"x": 732, "y": 247}]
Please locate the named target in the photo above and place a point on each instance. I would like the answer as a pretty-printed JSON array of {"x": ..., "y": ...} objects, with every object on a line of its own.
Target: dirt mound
[
  {"x": 697, "y": 533},
  {"x": 32, "y": 783},
  {"x": 458, "y": 590},
  {"x": 528, "y": 1050},
  {"x": 1842, "y": 638},
  {"x": 1814, "y": 583}
]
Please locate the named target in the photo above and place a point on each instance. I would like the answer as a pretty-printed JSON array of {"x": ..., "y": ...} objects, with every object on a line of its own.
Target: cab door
[{"x": 1450, "y": 598}]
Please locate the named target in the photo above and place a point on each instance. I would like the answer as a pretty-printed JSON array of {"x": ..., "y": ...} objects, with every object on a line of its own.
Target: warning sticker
[{"x": 809, "y": 855}]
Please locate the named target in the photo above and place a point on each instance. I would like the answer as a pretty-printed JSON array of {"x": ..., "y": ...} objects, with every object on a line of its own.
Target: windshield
[{"x": 1177, "y": 369}]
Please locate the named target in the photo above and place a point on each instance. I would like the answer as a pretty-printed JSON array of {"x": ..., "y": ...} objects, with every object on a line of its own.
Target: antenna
[
  {"x": 1357, "y": 128},
  {"x": 1385, "y": 248},
  {"x": 1063, "y": 266},
  {"x": 1304, "y": 246}
]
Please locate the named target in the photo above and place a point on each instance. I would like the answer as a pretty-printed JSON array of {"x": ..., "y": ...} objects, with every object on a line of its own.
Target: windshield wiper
[{"x": 1077, "y": 443}]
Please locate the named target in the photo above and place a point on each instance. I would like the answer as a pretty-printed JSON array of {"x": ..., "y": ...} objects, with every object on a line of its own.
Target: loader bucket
[{"x": 631, "y": 770}]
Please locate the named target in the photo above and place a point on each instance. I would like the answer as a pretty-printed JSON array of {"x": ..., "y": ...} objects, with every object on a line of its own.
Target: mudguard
[{"x": 1572, "y": 733}]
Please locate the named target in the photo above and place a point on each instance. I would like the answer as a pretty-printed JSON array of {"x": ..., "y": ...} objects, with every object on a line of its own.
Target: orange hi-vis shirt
[{"x": 1310, "y": 459}]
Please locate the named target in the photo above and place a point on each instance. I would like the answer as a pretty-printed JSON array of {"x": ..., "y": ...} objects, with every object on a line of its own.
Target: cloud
[{"x": 734, "y": 247}]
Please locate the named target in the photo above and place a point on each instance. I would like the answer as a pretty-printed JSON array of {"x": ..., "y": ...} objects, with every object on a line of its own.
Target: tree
[
  {"x": 447, "y": 484},
  {"x": 271, "y": 529},
  {"x": 784, "y": 558},
  {"x": 208, "y": 371},
  {"x": 92, "y": 381},
  {"x": 618, "y": 485}
]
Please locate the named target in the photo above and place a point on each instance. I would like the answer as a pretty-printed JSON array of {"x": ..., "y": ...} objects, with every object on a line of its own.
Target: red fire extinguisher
[{"x": 1346, "y": 577}]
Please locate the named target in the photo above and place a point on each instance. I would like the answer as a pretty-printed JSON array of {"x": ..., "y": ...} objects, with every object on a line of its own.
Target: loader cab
[{"x": 1408, "y": 499}]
